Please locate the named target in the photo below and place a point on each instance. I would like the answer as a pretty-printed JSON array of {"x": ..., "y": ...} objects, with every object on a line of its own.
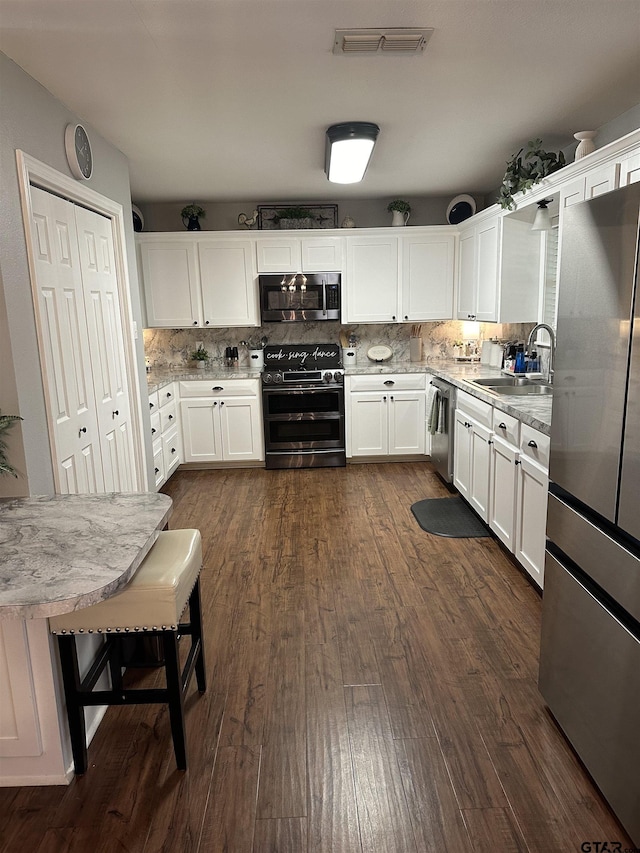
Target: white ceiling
[{"x": 230, "y": 99}]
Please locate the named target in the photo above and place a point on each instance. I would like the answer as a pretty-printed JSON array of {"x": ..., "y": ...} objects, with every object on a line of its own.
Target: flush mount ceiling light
[
  {"x": 348, "y": 150},
  {"x": 389, "y": 40},
  {"x": 542, "y": 222}
]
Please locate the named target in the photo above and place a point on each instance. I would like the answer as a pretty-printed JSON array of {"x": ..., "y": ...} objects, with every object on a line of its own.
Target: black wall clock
[{"x": 78, "y": 148}]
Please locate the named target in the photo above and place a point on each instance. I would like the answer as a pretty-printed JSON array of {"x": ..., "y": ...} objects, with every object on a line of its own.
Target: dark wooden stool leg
[
  {"x": 75, "y": 710},
  {"x": 195, "y": 615},
  {"x": 174, "y": 690}
]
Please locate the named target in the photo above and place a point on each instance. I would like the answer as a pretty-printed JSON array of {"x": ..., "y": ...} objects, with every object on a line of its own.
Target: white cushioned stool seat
[{"x": 154, "y": 598}]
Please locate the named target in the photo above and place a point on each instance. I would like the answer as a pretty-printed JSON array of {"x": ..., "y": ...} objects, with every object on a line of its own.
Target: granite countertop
[
  {"x": 534, "y": 411},
  {"x": 60, "y": 553}
]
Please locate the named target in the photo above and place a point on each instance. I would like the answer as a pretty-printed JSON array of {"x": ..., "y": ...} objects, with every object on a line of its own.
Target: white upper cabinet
[
  {"x": 427, "y": 284},
  {"x": 300, "y": 254},
  {"x": 499, "y": 271},
  {"x": 198, "y": 280},
  {"x": 595, "y": 182},
  {"x": 171, "y": 283},
  {"x": 228, "y": 282},
  {"x": 405, "y": 278},
  {"x": 372, "y": 277}
]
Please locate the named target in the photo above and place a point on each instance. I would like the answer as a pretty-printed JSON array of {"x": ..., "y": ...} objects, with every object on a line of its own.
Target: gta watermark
[{"x": 606, "y": 847}]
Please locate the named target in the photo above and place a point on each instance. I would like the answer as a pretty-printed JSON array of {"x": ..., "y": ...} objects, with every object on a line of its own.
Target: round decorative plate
[
  {"x": 379, "y": 353},
  {"x": 460, "y": 208},
  {"x": 138, "y": 218}
]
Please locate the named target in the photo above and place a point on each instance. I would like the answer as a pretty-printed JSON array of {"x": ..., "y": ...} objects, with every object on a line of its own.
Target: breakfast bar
[{"x": 58, "y": 554}]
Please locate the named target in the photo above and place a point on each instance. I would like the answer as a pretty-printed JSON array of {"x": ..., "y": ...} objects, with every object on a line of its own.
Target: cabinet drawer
[
  {"x": 156, "y": 429},
  {"x": 168, "y": 416},
  {"x": 154, "y": 404},
  {"x": 219, "y": 388},
  {"x": 171, "y": 450},
  {"x": 389, "y": 382},
  {"x": 535, "y": 445},
  {"x": 506, "y": 426},
  {"x": 158, "y": 462},
  {"x": 166, "y": 395},
  {"x": 478, "y": 409}
]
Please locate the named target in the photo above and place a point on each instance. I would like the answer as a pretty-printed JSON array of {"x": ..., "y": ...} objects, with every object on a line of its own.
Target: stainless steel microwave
[{"x": 296, "y": 297}]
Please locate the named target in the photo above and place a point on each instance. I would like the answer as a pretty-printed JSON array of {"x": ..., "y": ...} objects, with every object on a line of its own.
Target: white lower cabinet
[
  {"x": 472, "y": 456},
  {"x": 504, "y": 478},
  {"x": 221, "y": 421},
  {"x": 531, "y": 517},
  {"x": 165, "y": 433},
  {"x": 386, "y": 415}
]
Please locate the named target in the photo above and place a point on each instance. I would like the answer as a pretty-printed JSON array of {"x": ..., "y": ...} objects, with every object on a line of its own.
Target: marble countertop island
[{"x": 62, "y": 552}]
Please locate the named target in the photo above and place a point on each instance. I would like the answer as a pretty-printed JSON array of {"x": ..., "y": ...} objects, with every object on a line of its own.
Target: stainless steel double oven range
[{"x": 303, "y": 406}]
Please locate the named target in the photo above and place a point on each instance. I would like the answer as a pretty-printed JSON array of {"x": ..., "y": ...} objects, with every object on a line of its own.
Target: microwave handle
[{"x": 324, "y": 297}]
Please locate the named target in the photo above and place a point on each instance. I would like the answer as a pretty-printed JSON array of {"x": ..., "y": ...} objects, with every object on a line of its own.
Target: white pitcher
[{"x": 400, "y": 218}]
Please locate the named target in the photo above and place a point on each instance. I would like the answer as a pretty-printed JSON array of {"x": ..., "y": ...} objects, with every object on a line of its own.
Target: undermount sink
[
  {"x": 519, "y": 386},
  {"x": 520, "y": 390}
]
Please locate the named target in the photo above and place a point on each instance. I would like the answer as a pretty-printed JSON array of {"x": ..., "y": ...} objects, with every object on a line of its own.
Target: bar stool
[{"x": 151, "y": 604}]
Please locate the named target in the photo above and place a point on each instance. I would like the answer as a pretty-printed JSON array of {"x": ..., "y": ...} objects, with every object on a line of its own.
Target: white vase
[
  {"x": 586, "y": 144},
  {"x": 400, "y": 218},
  {"x": 201, "y": 365}
]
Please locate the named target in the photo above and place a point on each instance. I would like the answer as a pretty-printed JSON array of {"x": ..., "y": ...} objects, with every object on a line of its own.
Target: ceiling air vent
[{"x": 394, "y": 40}]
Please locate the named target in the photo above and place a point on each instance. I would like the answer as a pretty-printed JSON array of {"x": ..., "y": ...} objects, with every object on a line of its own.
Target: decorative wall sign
[
  {"x": 297, "y": 356},
  {"x": 322, "y": 215}
]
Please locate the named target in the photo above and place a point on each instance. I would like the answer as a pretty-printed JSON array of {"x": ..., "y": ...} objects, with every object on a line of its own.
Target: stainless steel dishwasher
[{"x": 442, "y": 441}]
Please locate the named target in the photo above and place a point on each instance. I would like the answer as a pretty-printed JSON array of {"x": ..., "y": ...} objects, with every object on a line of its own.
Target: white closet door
[
  {"x": 64, "y": 345},
  {"x": 100, "y": 284}
]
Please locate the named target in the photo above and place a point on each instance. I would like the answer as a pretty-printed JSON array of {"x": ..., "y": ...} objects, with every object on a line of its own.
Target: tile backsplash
[{"x": 172, "y": 347}]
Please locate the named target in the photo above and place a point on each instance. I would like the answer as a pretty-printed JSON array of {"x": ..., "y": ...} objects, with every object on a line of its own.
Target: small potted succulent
[
  {"x": 400, "y": 210},
  {"x": 193, "y": 213},
  {"x": 295, "y": 217},
  {"x": 200, "y": 356}
]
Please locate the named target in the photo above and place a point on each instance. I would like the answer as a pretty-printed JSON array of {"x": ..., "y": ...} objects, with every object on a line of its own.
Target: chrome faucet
[{"x": 552, "y": 348}]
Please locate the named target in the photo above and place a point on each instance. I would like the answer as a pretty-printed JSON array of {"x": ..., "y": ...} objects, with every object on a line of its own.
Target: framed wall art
[{"x": 285, "y": 216}]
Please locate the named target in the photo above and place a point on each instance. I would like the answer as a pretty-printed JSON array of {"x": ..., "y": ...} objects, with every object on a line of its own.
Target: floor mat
[{"x": 448, "y": 517}]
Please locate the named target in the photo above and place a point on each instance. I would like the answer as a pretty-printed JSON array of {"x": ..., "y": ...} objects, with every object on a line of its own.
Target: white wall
[{"x": 34, "y": 121}]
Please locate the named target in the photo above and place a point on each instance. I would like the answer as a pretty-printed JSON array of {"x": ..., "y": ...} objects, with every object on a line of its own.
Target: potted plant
[
  {"x": 401, "y": 211},
  {"x": 200, "y": 356},
  {"x": 192, "y": 213},
  {"x": 525, "y": 171},
  {"x": 6, "y": 422},
  {"x": 295, "y": 217}
]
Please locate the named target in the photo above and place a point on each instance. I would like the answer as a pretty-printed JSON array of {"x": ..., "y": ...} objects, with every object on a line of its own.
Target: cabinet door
[
  {"x": 281, "y": 254},
  {"x": 602, "y": 180},
  {"x": 241, "y": 429},
  {"x": 630, "y": 170},
  {"x": 200, "y": 420},
  {"x": 371, "y": 280},
  {"x": 572, "y": 193},
  {"x": 427, "y": 277},
  {"x": 467, "y": 276},
  {"x": 502, "y": 514},
  {"x": 406, "y": 422},
  {"x": 462, "y": 453},
  {"x": 480, "y": 468},
  {"x": 368, "y": 424},
  {"x": 171, "y": 285},
  {"x": 487, "y": 236},
  {"x": 322, "y": 254},
  {"x": 531, "y": 517},
  {"x": 228, "y": 281},
  {"x": 158, "y": 463}
]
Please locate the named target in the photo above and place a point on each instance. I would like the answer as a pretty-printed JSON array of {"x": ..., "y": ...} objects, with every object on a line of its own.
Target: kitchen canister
[
  {"x": 485, "y": 353},
  {"x": 256, "y": 359},
  {"x": 348, "y": 356}
]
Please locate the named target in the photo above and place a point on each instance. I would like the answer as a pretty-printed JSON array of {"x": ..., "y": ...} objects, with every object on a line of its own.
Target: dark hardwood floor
[{"x": 372, "y": 689}]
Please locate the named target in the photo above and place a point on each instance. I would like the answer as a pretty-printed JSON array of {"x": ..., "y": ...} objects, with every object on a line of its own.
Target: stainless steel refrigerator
[{"x": 590, "y": 645}]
